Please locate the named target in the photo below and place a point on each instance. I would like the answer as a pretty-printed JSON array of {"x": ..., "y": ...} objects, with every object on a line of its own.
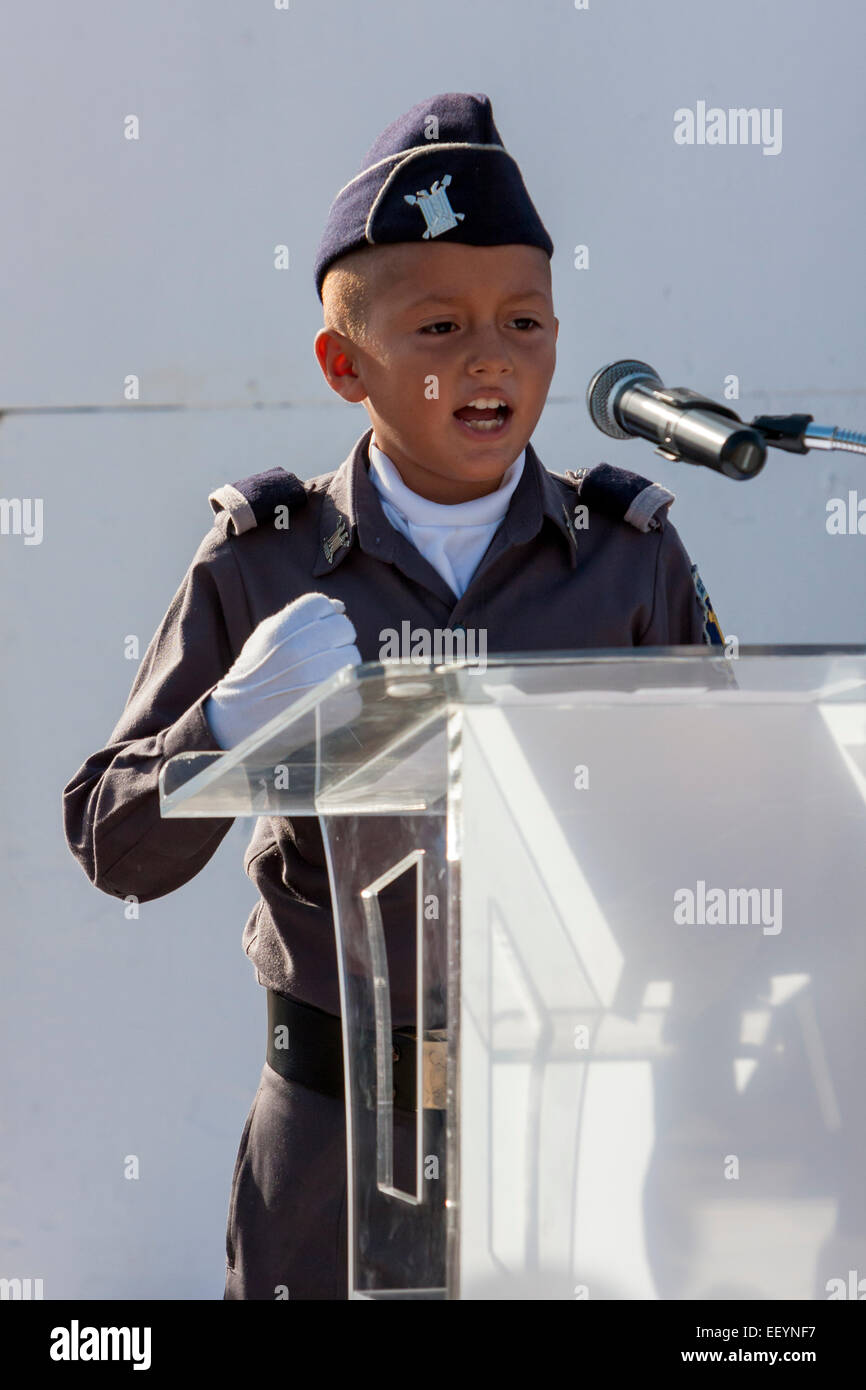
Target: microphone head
[{"x": 606, "y": 386}]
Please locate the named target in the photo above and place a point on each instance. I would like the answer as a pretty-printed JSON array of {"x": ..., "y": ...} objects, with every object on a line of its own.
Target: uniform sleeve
[
  {"x": 111, "y": 810},
  {"x": 678, "y": 616}
]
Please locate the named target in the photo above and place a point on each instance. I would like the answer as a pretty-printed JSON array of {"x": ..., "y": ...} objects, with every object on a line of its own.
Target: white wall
[{"x": 155, "y": 257}]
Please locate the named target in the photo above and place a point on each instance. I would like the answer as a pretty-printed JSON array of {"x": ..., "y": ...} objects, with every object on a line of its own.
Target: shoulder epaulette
[
  {"x": 252, "y": 500},
  {"x": 625, "y": 496}
]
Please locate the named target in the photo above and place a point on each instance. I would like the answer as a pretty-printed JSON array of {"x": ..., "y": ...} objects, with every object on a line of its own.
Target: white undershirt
[{"x": 453, "y": 537}]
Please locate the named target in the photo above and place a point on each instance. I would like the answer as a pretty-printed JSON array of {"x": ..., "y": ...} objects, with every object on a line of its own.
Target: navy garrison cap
[{"x": 439, "y": 170}]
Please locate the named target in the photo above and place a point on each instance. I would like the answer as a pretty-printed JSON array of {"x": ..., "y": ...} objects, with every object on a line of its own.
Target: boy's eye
[{"x": 449, "y": 323}]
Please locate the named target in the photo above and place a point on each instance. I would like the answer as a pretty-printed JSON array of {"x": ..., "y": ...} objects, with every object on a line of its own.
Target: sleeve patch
[{"x": 713, "y": 635}]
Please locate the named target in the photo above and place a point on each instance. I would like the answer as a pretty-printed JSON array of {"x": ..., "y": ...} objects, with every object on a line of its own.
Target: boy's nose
[{"x": 486, "y": 349}]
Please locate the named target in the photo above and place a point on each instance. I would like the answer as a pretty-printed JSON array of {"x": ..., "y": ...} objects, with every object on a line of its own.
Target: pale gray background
[{"x": 156, "y": 258}]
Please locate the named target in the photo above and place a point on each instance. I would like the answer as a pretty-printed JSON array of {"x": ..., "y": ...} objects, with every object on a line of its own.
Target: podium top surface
[{"x": 375, "y": 738}]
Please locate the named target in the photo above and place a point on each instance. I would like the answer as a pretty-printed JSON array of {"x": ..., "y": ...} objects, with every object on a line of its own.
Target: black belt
[{"x": 314, "y": 1054}]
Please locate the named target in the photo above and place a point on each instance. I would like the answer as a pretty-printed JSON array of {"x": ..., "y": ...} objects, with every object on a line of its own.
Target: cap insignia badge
[{"x": 438, "y": 212}]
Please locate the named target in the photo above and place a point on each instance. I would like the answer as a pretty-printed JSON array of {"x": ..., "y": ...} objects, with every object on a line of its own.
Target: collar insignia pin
[
  {"x": 438, "y": 212},
  {"x": 334, "y": 542}
]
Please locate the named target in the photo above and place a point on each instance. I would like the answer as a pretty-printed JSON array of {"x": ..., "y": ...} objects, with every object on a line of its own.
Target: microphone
[{"x": 628, "y": 398}]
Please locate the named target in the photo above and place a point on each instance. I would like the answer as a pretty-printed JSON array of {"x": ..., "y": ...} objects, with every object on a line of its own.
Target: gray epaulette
[
  {"x": 252, "y": 500},
  {"x": 625, "y": 496}
]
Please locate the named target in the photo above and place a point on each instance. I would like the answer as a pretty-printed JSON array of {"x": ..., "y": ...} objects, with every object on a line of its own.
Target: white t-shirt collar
[{"x": 420, "y": 511}]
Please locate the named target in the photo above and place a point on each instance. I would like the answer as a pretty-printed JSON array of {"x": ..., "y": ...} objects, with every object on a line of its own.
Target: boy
[{"x": 434, "y": 274}]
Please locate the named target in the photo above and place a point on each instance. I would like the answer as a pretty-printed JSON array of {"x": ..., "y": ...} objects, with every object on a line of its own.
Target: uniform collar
[
  {"x": 338, "y": 519},
  {"x": 352, "y": 512}
]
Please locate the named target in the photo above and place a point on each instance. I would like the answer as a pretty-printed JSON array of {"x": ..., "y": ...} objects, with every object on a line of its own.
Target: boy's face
[{"x": 448, "y": 324}]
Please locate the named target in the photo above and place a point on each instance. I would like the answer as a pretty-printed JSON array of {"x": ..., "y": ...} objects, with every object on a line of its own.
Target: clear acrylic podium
[{"x": 633, "y": 890}]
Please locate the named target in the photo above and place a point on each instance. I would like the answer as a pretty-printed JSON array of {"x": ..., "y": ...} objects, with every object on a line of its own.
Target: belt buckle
[
  {"x": 434, "y": 1065},
  {"x": 435, "y": 1069}
]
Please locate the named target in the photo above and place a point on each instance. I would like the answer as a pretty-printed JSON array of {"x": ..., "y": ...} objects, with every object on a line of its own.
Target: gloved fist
[{"x": 287, "y": 654}]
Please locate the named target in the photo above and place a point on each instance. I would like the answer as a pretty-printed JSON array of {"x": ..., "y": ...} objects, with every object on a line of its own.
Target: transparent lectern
[{"x": 635, "y": 887}]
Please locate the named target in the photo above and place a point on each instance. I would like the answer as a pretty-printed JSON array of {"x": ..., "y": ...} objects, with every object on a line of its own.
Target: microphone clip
[{"x": 784, "y": 431}]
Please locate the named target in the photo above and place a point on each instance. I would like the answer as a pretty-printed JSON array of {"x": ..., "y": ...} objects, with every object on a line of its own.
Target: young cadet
[{"x": 434, "y": 274}]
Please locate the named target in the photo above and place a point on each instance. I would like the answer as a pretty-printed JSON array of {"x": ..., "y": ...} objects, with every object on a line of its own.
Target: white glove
[{"x": 286, "y": 655}]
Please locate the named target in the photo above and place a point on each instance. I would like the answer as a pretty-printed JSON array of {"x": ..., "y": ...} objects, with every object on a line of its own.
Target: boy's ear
[{"x": 336, "y": 357}]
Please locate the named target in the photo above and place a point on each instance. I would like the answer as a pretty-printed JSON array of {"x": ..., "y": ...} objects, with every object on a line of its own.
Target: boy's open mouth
[{"x": 484, "y": 415}]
